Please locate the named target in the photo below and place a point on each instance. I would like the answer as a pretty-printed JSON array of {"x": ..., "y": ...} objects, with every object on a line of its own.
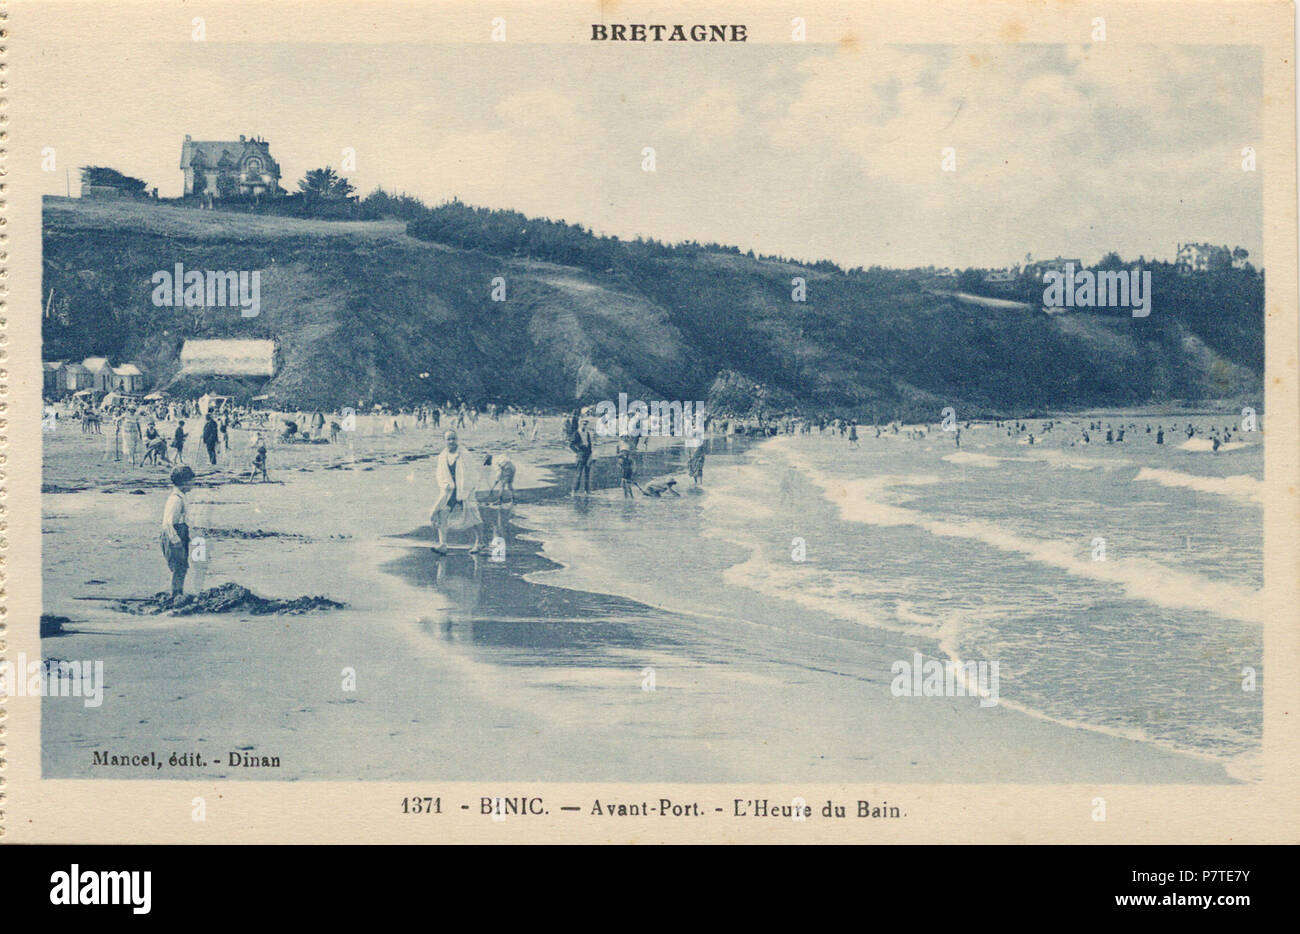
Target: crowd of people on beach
[
  {"x": 1216, "y": 437},
  {"x": 456, "y": 508},
  {"x": 157, "y": 433},
  {"x": 161, "y": 433},
  {"x": 1115, "y": 433}
]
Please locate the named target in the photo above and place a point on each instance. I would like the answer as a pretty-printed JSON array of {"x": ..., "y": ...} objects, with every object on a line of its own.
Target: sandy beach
[{"x": 470, "y": 668}]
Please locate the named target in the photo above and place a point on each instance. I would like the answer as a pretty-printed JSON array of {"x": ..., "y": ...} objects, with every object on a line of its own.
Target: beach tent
[
  {"x": 208, "y": 401},
  {"x": 112, "y": 398}
]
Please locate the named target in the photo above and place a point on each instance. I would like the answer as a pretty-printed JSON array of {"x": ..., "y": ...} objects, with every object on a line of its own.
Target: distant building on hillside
[
  {"x": 128, "y": 378},
  {"x": 1002, "y": 276},
  {"x": 100, "y": 192},
  {"x": 1202, "y": 257},
  {"x": 101, "y": 374},
  {"x": 93, "y": 373},
  {"x": 228, "y": 358},
  {"x": 78, "y": 377},
  {"x": 215, "y": 169},
  {"x": 1037, "y": 268},
  {"x": 105, "y": 182},
  {"x": 53, "y": 378}
]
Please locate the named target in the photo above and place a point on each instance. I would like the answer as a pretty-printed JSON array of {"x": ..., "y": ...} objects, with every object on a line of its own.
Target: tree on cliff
[
  {"x": 101, "y": 176},
  {"x": 325, "y": 185}
]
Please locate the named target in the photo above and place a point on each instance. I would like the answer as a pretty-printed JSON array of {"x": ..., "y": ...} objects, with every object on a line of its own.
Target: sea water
[{"x": 1117, "y": 586}]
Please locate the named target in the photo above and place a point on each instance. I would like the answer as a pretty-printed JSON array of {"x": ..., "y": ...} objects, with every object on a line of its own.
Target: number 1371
[{"x": 424, "y": 805}]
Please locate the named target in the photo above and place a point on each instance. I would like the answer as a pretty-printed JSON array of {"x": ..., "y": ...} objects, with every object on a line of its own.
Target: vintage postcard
[{"x": 625, "y": 422}]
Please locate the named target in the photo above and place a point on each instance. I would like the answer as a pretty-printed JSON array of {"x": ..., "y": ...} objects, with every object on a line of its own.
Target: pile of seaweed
[
  {"x": 52, "y": 625},
  {"x": 254, "y": 533},
  {"x": 228, "y": 598}
]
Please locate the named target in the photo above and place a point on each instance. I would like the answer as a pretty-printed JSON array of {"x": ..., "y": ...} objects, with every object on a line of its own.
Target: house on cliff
[{"x": 228, "y": 169}]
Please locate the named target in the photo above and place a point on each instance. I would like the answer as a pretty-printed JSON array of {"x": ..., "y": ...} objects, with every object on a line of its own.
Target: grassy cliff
[{"x": 359, "y": 310}]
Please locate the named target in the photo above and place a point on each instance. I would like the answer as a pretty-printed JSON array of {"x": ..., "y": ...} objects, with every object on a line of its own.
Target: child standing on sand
[
  {"x": 175, "y": 537},
  {"x": 178, "y": 442},
  {"x": 626, "y": 472}
]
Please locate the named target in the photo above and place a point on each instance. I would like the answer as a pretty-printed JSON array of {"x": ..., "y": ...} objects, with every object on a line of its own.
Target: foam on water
[
  {"x": 1206, "y": 444},
  {"x": 1239, "y": 485},
  {"x": 837, "y": 595},
  {"x": 867, "y": 500},
  {"x": 906, "y": 551}
]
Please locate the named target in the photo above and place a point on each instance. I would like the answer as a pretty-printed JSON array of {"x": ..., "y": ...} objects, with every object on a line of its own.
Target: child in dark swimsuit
[
  {"x": 175, "y": 537},
  {"x": 626, "y": 472}
]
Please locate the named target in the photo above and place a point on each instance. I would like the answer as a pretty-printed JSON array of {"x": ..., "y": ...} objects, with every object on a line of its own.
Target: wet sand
[{"x": 463, "y": 668}]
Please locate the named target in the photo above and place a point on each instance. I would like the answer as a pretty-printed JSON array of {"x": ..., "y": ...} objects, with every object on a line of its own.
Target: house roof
[
  {"x": 127, "y": 369},
  {"x": 223, "y": 152},
  {"x": 52, "y": 364},
  {"x": 95, "y": 364},
  {"x": 76, "y": 368},
  {"x": 1058, "y": 261},
  {"x": 229, "y": 357}
]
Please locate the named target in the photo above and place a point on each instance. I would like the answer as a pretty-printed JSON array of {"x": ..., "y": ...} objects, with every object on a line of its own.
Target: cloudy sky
[{"x": 803, "y": 150}]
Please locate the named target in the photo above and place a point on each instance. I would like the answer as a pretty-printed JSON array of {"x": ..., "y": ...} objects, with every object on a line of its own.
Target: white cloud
[
  {"x": 807, "y": 152},
  {"x": 714, "y": 114}
]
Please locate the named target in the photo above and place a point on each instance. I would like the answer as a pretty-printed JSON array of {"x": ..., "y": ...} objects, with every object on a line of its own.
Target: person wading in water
[
  {"x": 456, "y": 507},
  {"x": 582, "y": 444}
]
